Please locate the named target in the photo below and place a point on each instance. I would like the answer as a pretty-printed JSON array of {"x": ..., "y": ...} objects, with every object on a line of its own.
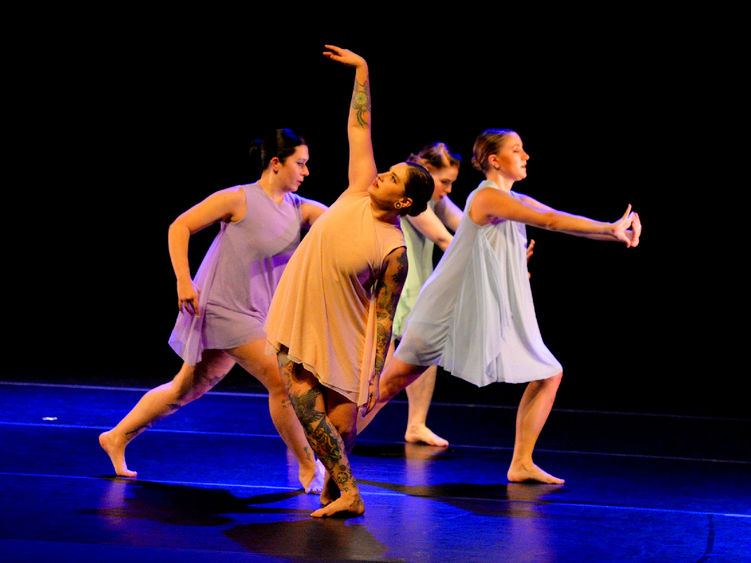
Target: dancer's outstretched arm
[{"x": 493, "y": 203}]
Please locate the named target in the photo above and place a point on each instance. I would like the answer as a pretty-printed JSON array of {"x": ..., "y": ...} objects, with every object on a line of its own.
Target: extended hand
[
  {"x": 344, "y": 56},
  {"x": 628, "y": 228}
]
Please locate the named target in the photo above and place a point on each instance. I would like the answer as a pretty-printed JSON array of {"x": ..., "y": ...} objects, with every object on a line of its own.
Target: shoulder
[
  {"x": 396, "y": 262},
  {"x": 232, "y": 196},
  {"x": 294, "y": 199},
  {"x": 235, "y": 193}
]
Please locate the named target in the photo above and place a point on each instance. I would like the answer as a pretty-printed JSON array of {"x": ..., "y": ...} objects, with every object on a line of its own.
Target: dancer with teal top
[
  {"x": 475, "y": 315},
  {"x": 433, "y": 227}
]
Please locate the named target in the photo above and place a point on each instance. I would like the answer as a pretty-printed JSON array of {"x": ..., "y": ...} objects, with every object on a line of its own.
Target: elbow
[
  {"x": 443, "y": 242},
  {"x": 551, "y": 222},
  {"x": 177, "y": 228}
]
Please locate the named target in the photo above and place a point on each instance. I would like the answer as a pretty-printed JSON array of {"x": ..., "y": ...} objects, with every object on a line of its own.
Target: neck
[
  {"x": 503, "y": 182},
  {"x": 271, "y": 187},
  {"x": 380, "y": 214}
]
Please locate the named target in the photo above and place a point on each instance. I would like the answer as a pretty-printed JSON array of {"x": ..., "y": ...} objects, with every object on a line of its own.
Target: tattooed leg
[
  {"x": 309, "y": 401},
  {"x": 189, "y": 384}
]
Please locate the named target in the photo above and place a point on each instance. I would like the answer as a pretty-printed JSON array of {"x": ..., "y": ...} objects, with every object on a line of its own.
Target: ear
[
  {"x": 493, "y": 161},
  {"x": 275, "y": 164},
  {"x": 404, "y": 203}
]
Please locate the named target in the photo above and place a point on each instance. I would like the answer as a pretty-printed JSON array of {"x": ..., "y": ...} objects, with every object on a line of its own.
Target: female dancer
[
  {"x": 222, "y": 313},
  {"x": 475, "y": 315},
  {"x": 330, "y": 320},
  {"x": 434, "y": 226}
]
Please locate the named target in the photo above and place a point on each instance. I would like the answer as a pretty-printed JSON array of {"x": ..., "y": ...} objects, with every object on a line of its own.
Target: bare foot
[
  {"x": 350, "y": 504},
  {"x": 519, "y": 472},
  {"x": 116, "y": 451},
  {"x": 330, "y": 491},
  {"x": 312, "y": 480},
  {"x": 419, "y": 433}
]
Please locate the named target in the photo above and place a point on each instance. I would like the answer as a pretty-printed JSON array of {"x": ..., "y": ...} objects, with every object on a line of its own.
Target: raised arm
[
  {"x": 387, "y": 296},
  {"x": 491, "y": 203},
  {"x": 362, "y": 167},
  {"x": 224, "y": 205}
]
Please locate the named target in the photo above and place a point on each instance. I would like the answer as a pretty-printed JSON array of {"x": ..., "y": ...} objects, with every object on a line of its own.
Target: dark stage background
[{"x": 120, "y": 131}]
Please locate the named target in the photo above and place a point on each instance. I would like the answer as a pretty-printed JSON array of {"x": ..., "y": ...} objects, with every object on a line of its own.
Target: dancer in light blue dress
[{"x": 475, "y": 316}]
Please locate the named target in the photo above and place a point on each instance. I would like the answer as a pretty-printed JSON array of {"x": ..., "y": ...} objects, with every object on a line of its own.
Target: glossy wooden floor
[{"x": 216, "y": 484}]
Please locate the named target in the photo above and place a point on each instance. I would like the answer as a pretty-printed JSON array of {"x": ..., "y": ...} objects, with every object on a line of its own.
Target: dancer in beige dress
[{"x": 330, "y": 320}]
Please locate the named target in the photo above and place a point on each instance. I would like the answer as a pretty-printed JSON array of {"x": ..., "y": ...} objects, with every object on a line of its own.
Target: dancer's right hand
[
  {"x": 628, "y": 228},
  {"x": 187, "y": 297}
]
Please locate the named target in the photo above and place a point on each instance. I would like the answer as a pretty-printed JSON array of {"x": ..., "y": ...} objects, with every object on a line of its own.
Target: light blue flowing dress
[{"x": 474, "y": 315}]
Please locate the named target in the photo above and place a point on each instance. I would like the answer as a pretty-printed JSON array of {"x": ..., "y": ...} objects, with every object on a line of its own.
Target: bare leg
[
  {"x": 395, "y": 377},
  {"x": 534, "y": 408},
  {"x": 253, "y": 358},
  {"x": 190, "y": 383},
  {"x": 419, "y": 395},
  {"x": 309, "y": 400}
]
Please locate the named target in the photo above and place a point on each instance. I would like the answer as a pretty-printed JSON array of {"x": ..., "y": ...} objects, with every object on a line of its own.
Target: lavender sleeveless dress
[{"x": 238, "y": 276}]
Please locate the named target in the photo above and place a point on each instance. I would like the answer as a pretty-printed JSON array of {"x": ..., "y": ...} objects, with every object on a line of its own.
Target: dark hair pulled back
[
  {"x": 280, "y": 143},
  {"x": 418, "y": 186}
]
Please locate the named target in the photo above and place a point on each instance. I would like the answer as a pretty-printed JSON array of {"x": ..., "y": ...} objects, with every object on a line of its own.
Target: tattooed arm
[
  {"x": 388, "y": 290},
  {"x": 362, "y": 167}
]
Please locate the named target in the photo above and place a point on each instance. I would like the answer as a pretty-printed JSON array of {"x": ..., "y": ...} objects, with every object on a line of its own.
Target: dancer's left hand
[{"x": 344, "y": 56}]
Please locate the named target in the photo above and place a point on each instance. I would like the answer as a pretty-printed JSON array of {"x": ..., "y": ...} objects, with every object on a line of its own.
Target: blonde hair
[{"x": 436, "y": 156}]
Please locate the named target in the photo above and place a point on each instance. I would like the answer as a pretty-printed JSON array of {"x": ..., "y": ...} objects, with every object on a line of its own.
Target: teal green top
[{"x": 420, "y": 257}]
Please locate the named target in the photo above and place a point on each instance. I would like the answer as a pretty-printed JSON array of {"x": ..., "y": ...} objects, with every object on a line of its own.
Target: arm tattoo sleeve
[
  {"x": 388, "y": 292},
  {"x": 361, "y": 103}
]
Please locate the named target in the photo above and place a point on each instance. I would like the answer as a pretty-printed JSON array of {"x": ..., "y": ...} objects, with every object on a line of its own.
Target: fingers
[
  {"x": 344, "y": 56},
  {"x": 628, "y": 211},
  {"x": 189, "y": 306},
  {"x": 334, "y": 52},
  {"x": 636, "y": 229}
]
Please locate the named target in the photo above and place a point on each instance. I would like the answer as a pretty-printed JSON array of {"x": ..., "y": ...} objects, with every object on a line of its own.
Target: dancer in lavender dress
[{"x": 222, "y": 311}]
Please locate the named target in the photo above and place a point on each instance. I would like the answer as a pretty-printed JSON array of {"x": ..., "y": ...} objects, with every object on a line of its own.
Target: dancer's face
[
  {"x": 511, "y": 160},
  {"x": 444, "y": 179},
  {"x": 294, "y": 169},
  {"x": 388, "y": 190}
]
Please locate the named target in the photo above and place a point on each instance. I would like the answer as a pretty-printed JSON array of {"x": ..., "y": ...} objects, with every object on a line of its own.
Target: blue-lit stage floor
[{"x": 216, "y": 484}]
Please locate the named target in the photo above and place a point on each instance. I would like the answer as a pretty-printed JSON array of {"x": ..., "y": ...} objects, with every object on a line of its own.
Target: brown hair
[
  {"x": 436, "y": 156},
  {"x": 488, "y": 143}
]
